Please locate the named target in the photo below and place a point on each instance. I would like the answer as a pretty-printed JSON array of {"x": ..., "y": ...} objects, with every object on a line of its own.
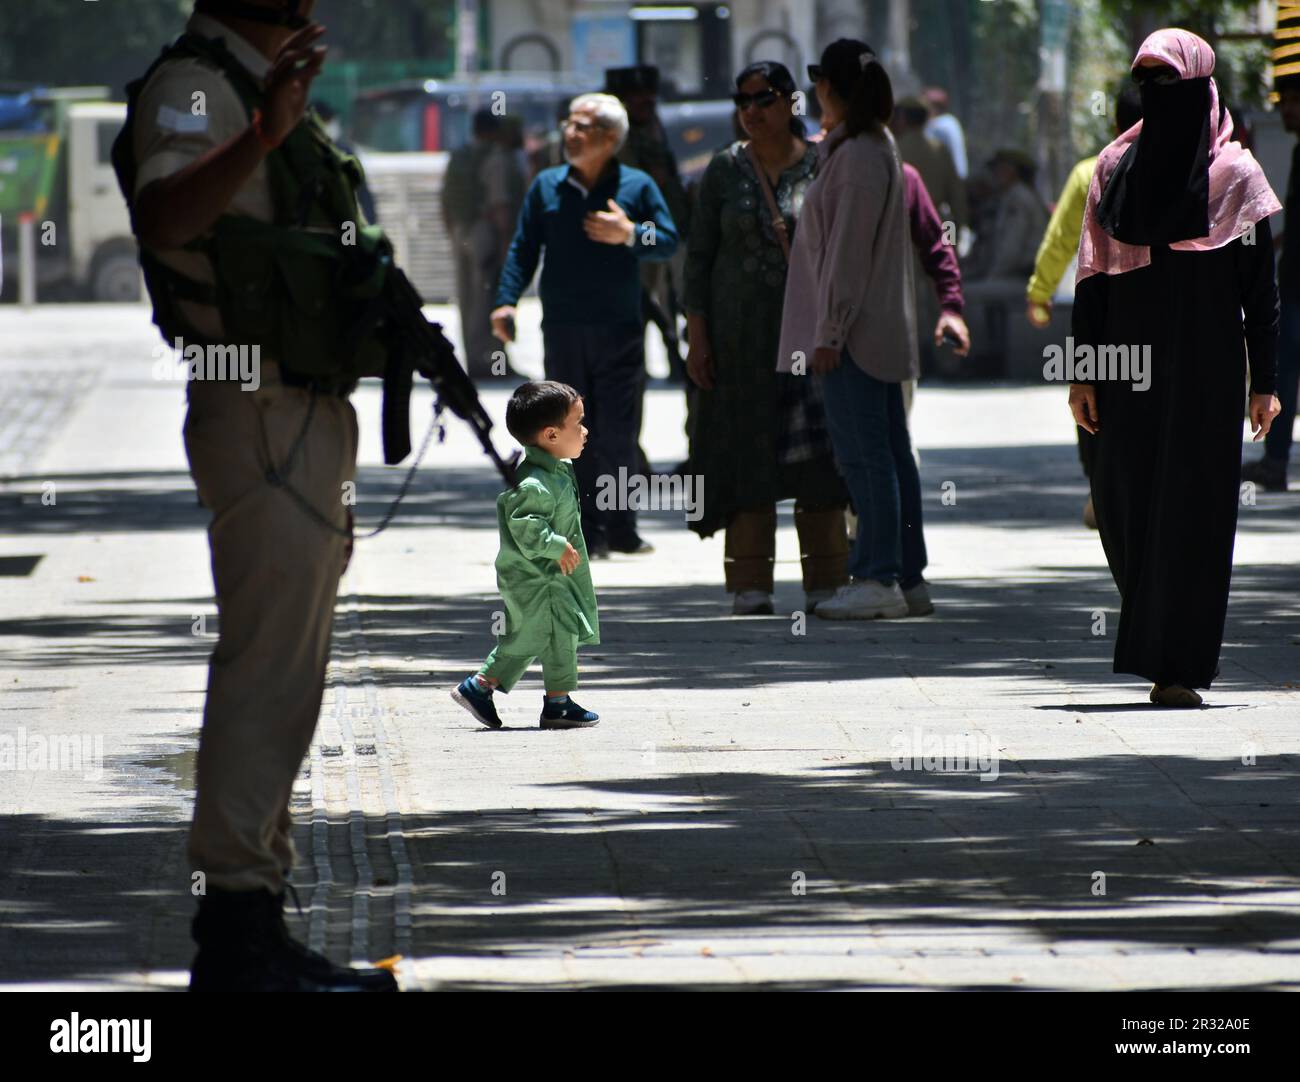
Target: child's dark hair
[{"x": 537, "y": 405}]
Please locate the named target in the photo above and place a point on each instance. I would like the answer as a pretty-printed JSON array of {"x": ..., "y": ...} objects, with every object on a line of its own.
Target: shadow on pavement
[
  {"x": 678, "y": 638},
  {"x": 1039, "y": 485},
  {"x": 1196, "y": 853}
]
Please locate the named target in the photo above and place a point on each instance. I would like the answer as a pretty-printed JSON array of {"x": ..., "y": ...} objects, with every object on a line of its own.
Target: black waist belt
[{"x": 338, "y": 386}]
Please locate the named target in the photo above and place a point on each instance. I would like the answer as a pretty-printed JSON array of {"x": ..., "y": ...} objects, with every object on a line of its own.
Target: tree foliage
[
  {"x": 70, "y": 43},
  {"x": 54, "y": 43},
  {"x": 987, "y": 56},
  {"x": 389, "y": 29},
  {"x": 1241, "y": 65},
  {"x": 1209, "y": 18}
]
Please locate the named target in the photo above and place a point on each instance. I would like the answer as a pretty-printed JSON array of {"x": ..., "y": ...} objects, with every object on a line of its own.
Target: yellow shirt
[{"x": 1061, "y": 241}]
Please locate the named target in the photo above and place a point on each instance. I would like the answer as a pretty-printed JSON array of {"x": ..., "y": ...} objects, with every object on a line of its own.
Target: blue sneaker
[
  {"x": 566, "y": 715},
  {"x": 477, "y": 702}
]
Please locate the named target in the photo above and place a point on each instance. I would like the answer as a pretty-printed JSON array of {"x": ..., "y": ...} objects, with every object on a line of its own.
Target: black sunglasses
[{"x": 762, "y": 99}]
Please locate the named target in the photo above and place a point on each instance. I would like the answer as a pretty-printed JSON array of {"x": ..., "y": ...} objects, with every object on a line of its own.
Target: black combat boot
[
  {"x": 319, "y": 968},
  {"x": 244, "y": 947}
]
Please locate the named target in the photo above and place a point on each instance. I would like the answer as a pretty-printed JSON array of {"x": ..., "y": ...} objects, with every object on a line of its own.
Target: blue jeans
[
  {"x": 1277, "y": 444},
  {"x": 868, "y": 430}
]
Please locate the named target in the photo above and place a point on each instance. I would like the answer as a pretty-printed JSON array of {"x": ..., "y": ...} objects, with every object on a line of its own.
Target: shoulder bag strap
[{"x": 778, "y": 220}]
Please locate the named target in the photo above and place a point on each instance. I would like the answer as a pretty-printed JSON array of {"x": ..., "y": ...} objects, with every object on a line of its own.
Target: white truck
[{"x": 56, "y": 167}]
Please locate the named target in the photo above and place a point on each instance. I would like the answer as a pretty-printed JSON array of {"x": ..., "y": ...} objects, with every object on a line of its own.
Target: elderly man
[{"x": 597, "y": 219}]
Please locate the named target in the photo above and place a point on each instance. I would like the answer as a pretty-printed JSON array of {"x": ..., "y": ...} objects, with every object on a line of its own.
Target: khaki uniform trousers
[{"x": 276, "y": 573}]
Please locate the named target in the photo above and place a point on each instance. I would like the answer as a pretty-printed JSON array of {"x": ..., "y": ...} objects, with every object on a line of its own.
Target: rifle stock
[{"x": 426, "y": 349}]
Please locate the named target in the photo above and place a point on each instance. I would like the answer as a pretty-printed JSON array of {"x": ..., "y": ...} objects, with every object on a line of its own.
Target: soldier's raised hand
[{"x": 289, "y": 83}]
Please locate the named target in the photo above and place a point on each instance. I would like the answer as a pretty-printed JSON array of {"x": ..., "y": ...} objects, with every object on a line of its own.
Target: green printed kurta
[
  {"x": 735, "y": 278},
  {"x": 536, "y": 519}
]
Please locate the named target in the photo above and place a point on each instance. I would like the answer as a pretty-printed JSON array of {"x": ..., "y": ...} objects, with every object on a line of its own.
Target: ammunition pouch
[{"x": 309, "y": 301}]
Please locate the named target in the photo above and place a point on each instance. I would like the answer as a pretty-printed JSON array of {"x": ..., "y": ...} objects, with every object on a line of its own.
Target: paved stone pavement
[{"x": 736, "y": 819}]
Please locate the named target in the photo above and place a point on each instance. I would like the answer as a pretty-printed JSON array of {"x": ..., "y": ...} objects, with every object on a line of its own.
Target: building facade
[{"x": 698, "y": 47}]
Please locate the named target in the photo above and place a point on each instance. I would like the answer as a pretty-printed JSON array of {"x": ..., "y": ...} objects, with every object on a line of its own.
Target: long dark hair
[
  {"x": 857, "y": 76},
  {"x": 779, "y": 79}
]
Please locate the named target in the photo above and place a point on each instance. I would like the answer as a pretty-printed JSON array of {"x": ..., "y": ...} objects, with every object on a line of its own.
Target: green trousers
[{"x": 559, "y": 664}]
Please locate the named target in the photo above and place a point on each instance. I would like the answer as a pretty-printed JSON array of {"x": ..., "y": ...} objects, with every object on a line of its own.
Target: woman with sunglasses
[
  {"x": 758, "y": 437},
  {"x": 1175, "y": 263},
  {"x": 850, "y": 320}
]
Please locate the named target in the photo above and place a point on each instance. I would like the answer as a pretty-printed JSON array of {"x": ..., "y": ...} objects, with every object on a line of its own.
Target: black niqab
[{"x": 1160, "y": 190}]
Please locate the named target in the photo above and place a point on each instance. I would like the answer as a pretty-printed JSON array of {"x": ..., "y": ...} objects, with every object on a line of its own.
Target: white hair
[{"x": 609, "y": 113}]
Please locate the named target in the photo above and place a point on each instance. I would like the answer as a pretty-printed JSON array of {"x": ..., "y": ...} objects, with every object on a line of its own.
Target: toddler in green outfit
[{"x": 542, "y": 568}]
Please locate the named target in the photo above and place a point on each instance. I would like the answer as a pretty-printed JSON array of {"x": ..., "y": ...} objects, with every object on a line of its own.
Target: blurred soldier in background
[
  {"x": 1012, "y": 219},
  {"x": 481, "y": 195},
  {"x": 1010, "y": 247},
  {"x": 647, "y": 149}
]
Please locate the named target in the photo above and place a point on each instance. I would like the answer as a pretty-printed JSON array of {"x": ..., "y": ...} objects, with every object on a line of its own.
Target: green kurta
[
  {"x": 536, "y": 519},
  {"x": 735, "y": 278}
]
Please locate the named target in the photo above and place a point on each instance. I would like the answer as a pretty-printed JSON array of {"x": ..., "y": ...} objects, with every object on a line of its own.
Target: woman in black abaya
[{"x": 1177, "y": 255}]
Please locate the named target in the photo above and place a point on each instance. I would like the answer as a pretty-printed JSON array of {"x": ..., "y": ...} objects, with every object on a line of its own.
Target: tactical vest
[{"x": 303, "y": 288}]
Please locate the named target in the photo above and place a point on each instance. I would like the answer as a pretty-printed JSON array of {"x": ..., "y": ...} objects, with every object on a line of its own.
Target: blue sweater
[{"x": 585, "y": 281}]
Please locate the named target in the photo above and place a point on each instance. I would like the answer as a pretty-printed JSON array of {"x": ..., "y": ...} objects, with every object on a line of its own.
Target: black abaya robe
[{"x": 1167, "y": 470}]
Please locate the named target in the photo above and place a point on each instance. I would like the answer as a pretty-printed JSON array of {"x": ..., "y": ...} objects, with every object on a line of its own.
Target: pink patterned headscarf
[{"x": 1240, "y": 194}]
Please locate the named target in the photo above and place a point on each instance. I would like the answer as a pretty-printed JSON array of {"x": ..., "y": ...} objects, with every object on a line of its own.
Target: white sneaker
[
  {"x": 866, "y": 600},
  {"x": 918, "y": 599},
  {"x": 813, "y": 598},
  {"x": 752, "y": 603}
]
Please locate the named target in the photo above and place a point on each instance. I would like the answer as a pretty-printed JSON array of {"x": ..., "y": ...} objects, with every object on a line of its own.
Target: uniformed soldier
[
  {"x": 647, "y": 149},
  {"x": 647, "y": 146},
  {"x": 238, "y": 201},
  {"x": 482, "y": 190}
]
